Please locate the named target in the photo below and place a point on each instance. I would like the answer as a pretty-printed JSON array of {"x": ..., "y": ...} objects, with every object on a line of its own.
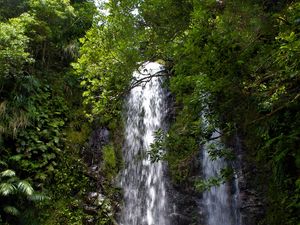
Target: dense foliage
[
  {"x": 237, "y": 63},
  {"x": 40, "y": 162}
]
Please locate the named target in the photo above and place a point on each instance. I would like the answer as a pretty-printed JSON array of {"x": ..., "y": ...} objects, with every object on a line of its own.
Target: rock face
[
  {"x": 93, "y": 152},
  {"x": 251, "y": 199},
  {"x": 95, "y": 201},
  {"x": 185, "y": 210},
  {"x": 92, "y": 155},
  {"x": 184, "y": 200}
]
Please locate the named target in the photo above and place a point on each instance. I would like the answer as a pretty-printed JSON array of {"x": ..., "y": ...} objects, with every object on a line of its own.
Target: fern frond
[
  {"x": 37, "y": 197},
  {"x": 11, "y": 210},
  {"x": 3, "y": 163},
  {"x": 7, "y": 189},
  {"x": 8, "y": 173},
  {"x": 12, "y": 180},
  {"x": 25, "y": 187}
]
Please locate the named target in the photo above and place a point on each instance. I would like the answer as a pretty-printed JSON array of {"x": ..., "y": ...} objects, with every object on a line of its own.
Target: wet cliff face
[
  {"x": 185, "y": 205},
  {"x": 99, "y": 203},
  {"x": 252, "y": 201},
  {"x": 92, "y": 153}
]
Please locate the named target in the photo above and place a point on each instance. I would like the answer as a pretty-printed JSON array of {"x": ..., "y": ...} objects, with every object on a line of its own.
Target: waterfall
[
  {"x": 145, "y": 200},
  {"x": 220, "y": 202}
]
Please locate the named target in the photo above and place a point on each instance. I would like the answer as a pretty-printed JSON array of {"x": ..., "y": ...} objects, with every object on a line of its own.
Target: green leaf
[
  {"x": 16, "y": 157},
  {"x": 37, "y": 197},
  {"x": 25, "y": 187},
  {"x": 3, "y": 163},
  {"x": 7, "y": 189},
  {"x": 56, "y": 140},
  {"x": 8, "y": 173},
  {"x": 11, "y": 210},
  {"x": 41, "y": 176}
]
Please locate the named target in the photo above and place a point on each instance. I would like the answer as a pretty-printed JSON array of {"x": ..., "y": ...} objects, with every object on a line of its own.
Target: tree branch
[{"x": 161, "y": 73}]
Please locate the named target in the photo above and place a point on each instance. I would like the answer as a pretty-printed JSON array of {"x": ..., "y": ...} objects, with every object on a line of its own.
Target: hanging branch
[
  {"x": 215, "y": 138},
  {"x": 144, "y": 80}
]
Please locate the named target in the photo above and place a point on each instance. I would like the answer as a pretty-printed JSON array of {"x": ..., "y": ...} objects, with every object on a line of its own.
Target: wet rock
[
  {"x": 93, "y": 151},
  {"x": 91, "y": 210},
  {"x": 91, "y": 197},
  {"x": 89, "y": 221},
  {"x": 184, "y": 206},
  {"x": 95, "y": 201},
  {"x": 100, "y": 199},
  {"x": 251, "y": 205},
  {"x": 99, "y": 138},
  {"x": 179, "y": 219}
]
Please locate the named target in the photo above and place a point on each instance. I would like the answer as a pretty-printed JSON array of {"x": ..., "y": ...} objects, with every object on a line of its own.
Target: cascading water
[
  {"x": 142, "y": 181},
  {"x": 220, "y": 204}
]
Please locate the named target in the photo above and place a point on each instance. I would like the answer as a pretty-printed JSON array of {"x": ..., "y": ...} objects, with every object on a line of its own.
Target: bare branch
[
  {"x": 215, "y": 138},
  {"x": 148, "y": 77},
  {"x": 142, "y": 81}
]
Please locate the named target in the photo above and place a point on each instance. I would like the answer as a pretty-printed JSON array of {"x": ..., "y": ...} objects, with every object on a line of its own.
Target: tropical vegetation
[{"x": 66, "y": 67}]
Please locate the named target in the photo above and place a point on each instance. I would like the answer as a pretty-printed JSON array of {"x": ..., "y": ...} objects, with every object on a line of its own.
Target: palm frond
[
  {"x": 37, "y": 197},
  {"x": 11, "y": 210},
  {"x": 25, "y": 187},
  {"x": 8, "y": 173},
  {"x": 7, "y": 189},
  {"x": 12, "y": 180}
]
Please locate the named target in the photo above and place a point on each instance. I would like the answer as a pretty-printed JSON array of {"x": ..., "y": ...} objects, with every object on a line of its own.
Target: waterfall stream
[
  {"x": 220, "y": 202},
  {"x": 143, "y": 183}
]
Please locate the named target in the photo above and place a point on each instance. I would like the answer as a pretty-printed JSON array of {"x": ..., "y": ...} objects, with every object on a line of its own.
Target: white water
[
  {"x": 219, "y": 203},
  {"x": 145, "y": 200}
]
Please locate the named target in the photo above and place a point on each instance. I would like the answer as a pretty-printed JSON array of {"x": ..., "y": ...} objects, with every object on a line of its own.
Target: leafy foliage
[
  {"x": 157, "y": 148},
  {"x": 38, "y": 40},
  {"x": 13, "y": 54},
  {"x": 109, "y": 162},
  {"x": 224, "y": 175}
]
